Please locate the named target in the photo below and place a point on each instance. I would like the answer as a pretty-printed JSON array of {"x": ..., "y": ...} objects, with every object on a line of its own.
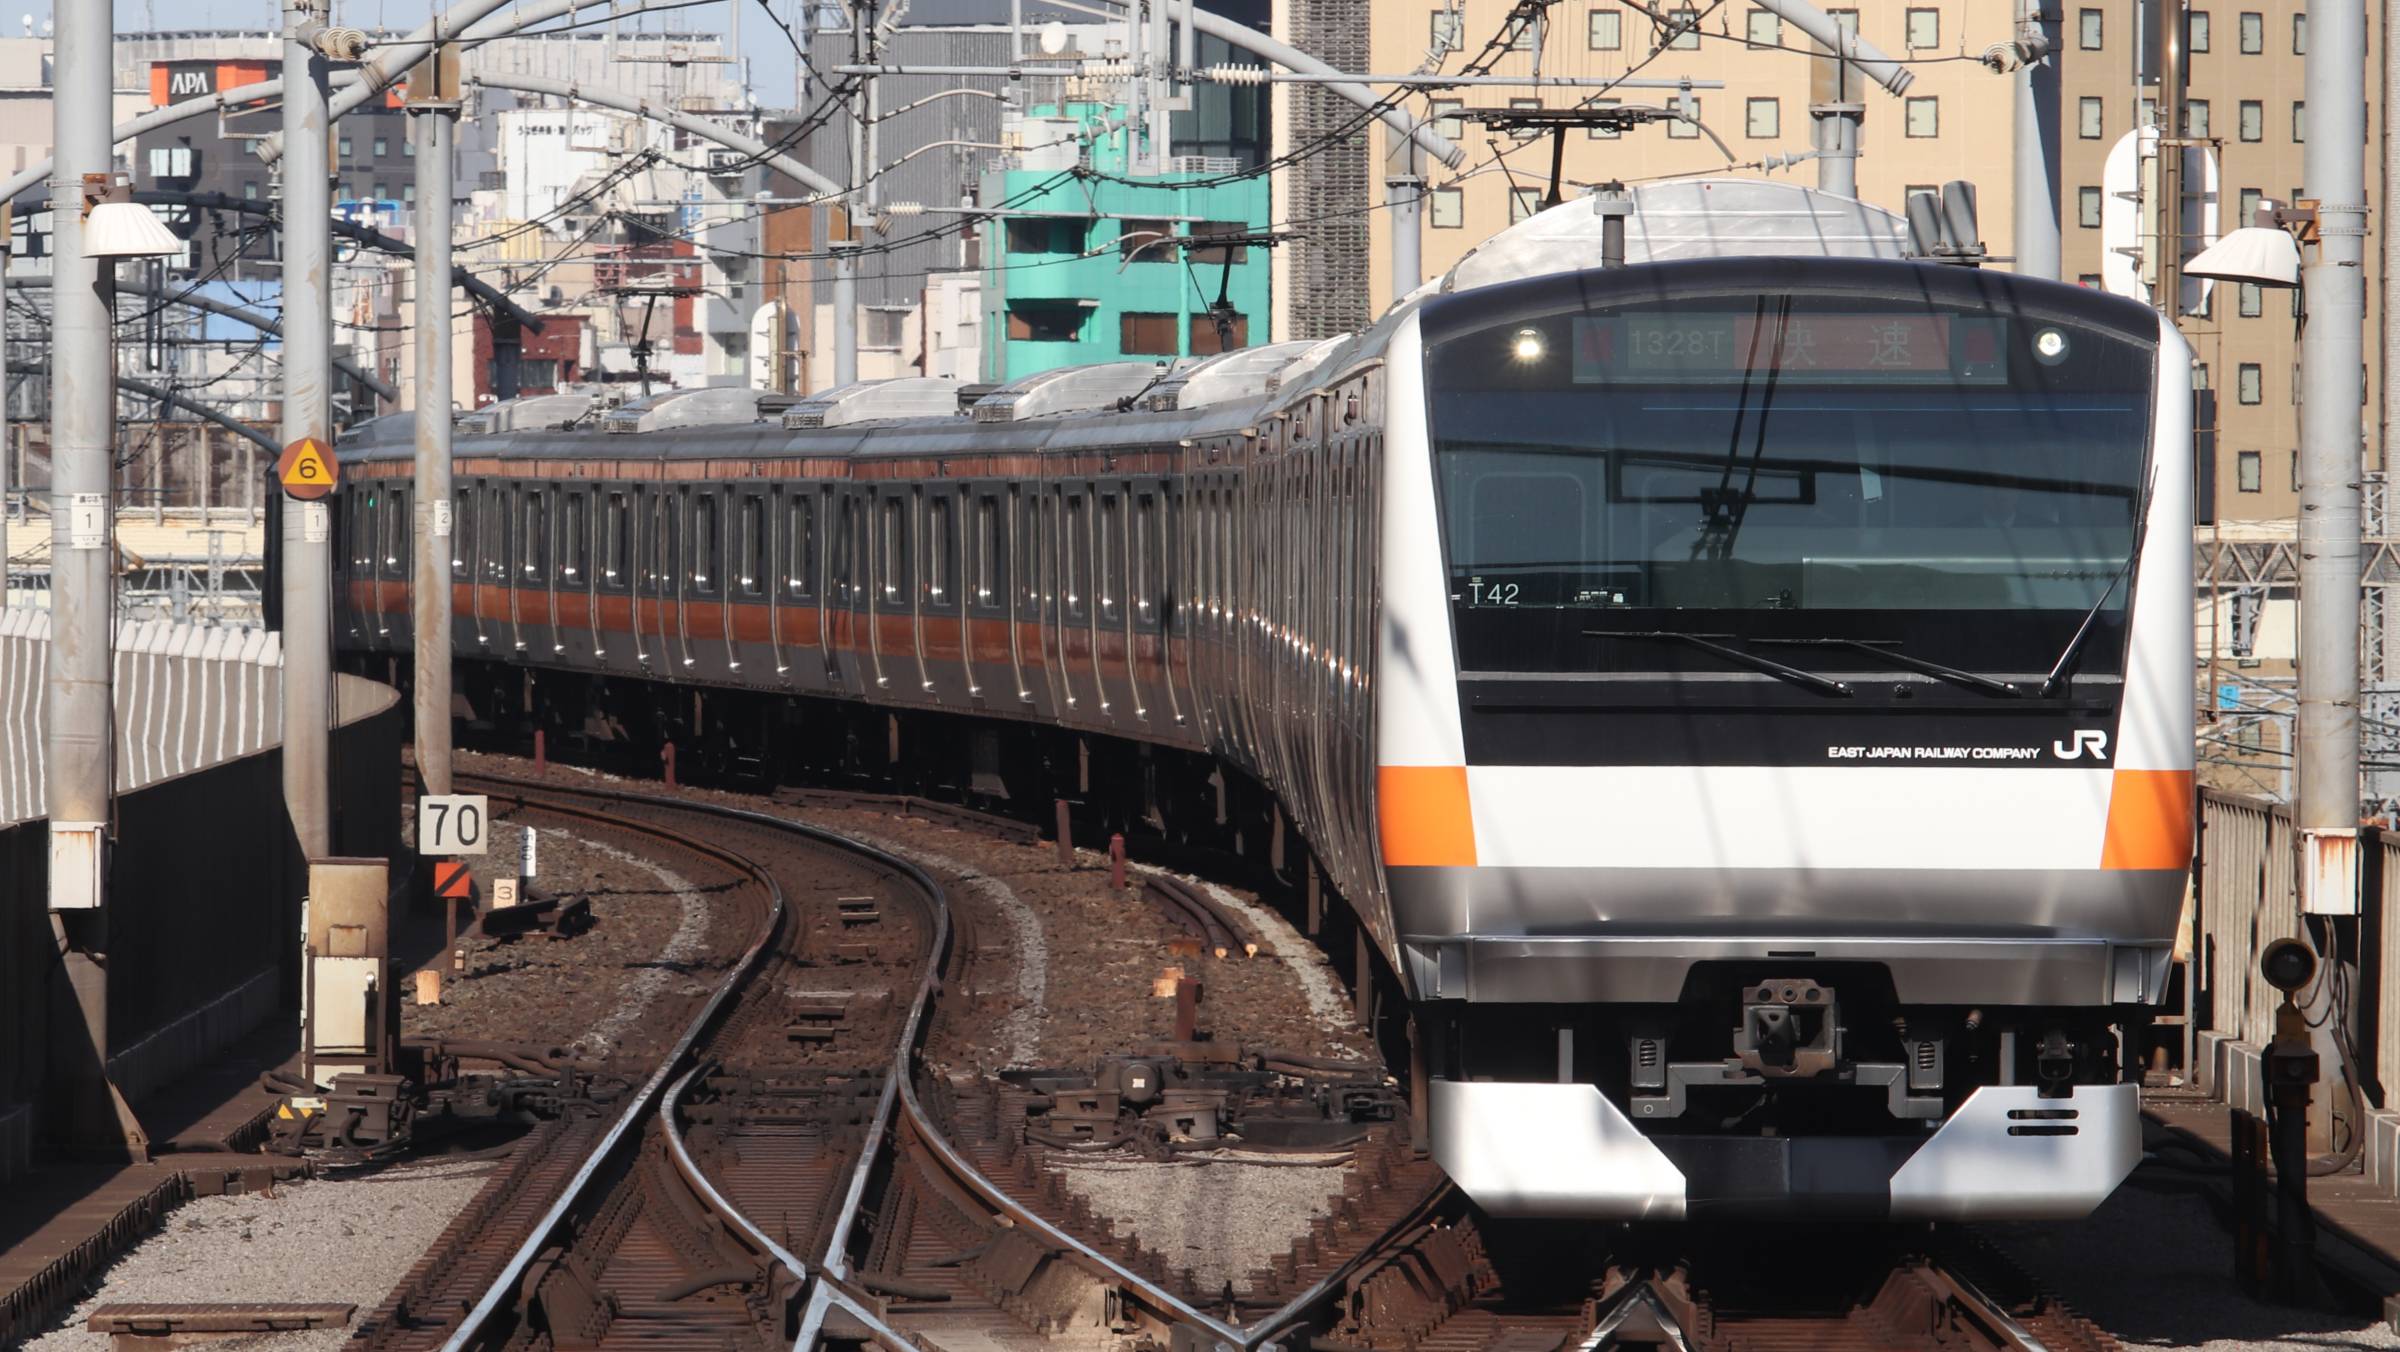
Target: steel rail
[{"x": 505, "y": 1283}]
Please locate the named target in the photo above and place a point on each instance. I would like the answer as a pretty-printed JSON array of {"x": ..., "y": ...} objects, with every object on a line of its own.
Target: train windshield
[{"x": 1960, "y": 479}]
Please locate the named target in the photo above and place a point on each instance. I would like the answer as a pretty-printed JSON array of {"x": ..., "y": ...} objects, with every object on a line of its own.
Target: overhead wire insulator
[{"x": 1234, "y": 75}]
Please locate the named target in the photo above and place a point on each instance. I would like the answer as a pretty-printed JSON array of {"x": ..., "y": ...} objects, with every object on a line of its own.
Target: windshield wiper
[
  {"x": 1823, "y": 685},
  {"x": 2066, "y": 655},
  {"x": 1881, "y": 650}
]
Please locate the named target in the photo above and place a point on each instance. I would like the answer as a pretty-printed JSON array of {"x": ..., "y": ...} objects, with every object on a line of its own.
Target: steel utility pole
[
  {"x": 845, "y": 249},
  {"x": 433, "y": 113},
  {"x": 1404, "y": 188},
  {"x": 78, "y": 735},
  {"x": 2174, "y": 29},
  {"x": 7, "y": 216},
  {"x": 2333, "y": 287},
  {"x": 2037, "y": 106},
  {"x": 307, "y": 413}
]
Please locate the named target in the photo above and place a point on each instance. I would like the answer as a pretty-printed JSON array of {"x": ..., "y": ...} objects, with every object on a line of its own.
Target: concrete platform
[{"x": 2358, "y": 1215}]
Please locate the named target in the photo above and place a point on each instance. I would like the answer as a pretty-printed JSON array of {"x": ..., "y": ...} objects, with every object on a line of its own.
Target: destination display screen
[{"x": 1901, "y": 347}]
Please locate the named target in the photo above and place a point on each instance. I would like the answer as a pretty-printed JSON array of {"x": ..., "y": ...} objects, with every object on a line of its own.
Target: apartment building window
[
  {"x": 2199, "y": 375},
  {"x": 1444, "y": 36},
  {"x": 408, "y": 192},
  {"x": 2249, "y": 383},
  {"x": 1449, "y": 209},
  {"x": 1916, "y": 190},
  {"x": 1765, "y": 29},
  {"x": 2249, "y": 200},
  {"x": 345, "y": 147},
  {"x": 1682, "y": 130},
  {"x": 381, "y": 193},
  {"x": 2249, "y": 304},
  {"x": 2299, "y": 121},
  {"x": 1208, "y": 340},
  {"x": 1605, "y": 31},
  {"x": 2088, "y": 118},
  {"x": 2300, "y": 33},
  {"x": 886, "y": 328},
  {"x": 1924, "y": 117},
  {"x": 1146, "y": 335},
  {"x": 2149, "y": 113},
  {"x": 2253, "y": 120},
  {"x": 2195, "y": 119},
  {"x": 408, "y": 145},
  {"x": 2089, "y": 281},
  {"x": 1523, "y": 202},
  {"x": 2087, "y": 208},
  {"x": 1597, "y": 132},
  {"x": 2245, "y": 473},
  {"x": 1764, "y": 120},
  {"x": 382, "y": 147},
  {"x": 1924, "y": 29},
  {"x": 1685, "y": 25},
  {"x": 2196, "y": 31},
  {"x": 1447, "y": 121},
  {"x": 2087, "y": 29},
  {"x": 250, "y": 191},
  {"x": 2253, "y": 27}
]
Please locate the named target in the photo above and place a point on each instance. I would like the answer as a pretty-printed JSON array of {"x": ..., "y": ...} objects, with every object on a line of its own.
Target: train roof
[{"x": 1100, "y": 405}]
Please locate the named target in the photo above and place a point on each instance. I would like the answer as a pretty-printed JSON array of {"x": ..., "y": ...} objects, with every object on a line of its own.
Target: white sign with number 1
[{"x": 453, "y": 823}]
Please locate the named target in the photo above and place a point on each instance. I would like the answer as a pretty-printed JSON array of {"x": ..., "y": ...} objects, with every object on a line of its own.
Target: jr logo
[{"x": 2091, "y": 739}]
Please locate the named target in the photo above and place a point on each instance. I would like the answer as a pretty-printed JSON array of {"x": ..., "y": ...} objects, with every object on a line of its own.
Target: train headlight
[
  {"x": 2050, "y": 347},
  {"x": 1528, "y": 345}
]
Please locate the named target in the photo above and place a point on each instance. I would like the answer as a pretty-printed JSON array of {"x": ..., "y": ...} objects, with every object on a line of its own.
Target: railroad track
[{"x": 783, "y": 1176}]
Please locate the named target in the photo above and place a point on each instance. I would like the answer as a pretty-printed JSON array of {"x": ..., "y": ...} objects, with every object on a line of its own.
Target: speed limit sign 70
[{"x": 453, "y": 823}]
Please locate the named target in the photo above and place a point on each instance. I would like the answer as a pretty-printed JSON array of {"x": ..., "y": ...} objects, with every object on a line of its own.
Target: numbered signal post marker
[
  {"x": 307, "y": 470},
  {"x": 453, "y": 823}
]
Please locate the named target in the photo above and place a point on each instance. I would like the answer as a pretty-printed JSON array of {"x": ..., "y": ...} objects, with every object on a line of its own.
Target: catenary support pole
[
  {"x": 2036, "y": 164},
  {"x": 1405, "y": 190},
  {"x": 429, "y": 573},
  {"x": 2390, "y": 385},
  {"x": 307, "y": 412},
  {"x": 78, "y": 735},
  {"x": 2332, "y": 403},
  {"x": 845, "y": 247},
  {"x": 2167, "y": 291}
]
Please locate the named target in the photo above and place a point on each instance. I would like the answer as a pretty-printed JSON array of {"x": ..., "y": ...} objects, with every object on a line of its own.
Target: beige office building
[
  {"x": 1955, "y": 121},
  {"x": 2248, "y": 100}
]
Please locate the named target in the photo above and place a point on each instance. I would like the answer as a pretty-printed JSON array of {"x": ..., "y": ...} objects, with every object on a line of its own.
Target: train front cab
[{"x": 1784, "y": 778}]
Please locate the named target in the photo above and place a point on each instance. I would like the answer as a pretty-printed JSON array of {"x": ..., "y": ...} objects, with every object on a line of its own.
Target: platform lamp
[{"x": 2262, "y": 253}]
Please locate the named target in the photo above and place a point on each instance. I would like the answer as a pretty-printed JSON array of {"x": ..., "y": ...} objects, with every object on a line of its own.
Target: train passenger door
[
  {"x": 927, "y": 511},
  {"x": 524, "y": 572},
  {"x": 570, "y": 565},
  {"x": 392, "y": 565},
  {"x": 700, "y": 579}
]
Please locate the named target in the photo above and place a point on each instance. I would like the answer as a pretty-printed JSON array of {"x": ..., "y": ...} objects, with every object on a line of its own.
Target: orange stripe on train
[
  {"x": 2149, "y": 820},
  {"x": 1424, "y": 816}
]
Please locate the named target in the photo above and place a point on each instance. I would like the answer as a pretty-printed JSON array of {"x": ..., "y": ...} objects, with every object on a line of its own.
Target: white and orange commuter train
[{"x": 1744, "y": 695}]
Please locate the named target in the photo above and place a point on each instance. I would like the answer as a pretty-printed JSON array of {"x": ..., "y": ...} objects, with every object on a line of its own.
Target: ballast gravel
[
  {"x": 326, "y": 1240},
  {"x": 1217, "y": 1216}
]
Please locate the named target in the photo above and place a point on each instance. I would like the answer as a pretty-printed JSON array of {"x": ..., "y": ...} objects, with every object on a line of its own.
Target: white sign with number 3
[{"x": 453, "y": 823}]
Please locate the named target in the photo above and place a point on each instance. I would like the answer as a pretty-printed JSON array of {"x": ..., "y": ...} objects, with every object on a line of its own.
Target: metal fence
[
  {"x": 186, "y": 698},
  {"x": 2245, "y": 900}
]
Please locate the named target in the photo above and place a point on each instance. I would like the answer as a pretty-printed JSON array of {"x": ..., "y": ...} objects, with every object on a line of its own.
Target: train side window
[
  {"x": 800, "y": 545},
  {"x": 1111, "y": 571},
  {"x": 705, "y": 552},
  {"x": 494, "y": 548},
  {"x": 531, "y": 548},
  {"x": 398, "y": 527},
  {"x": 750, "y": 539},
  {"x": 1148, "y": 569},
  {"x": 462, "y": 538},
  {"x": 845, "y": 534},
  {"x": 991, "y": 583},
  {"x": 664, "y": 556},
  {"x": 940, "y": 549},
  {"x": 1037, "y": 564},
  {"x": 1078, "y": 539},
  {"x": 616, "y": 561},
  {"x": 571, "y": 544},
  {"x": 895, "y": 551}
]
